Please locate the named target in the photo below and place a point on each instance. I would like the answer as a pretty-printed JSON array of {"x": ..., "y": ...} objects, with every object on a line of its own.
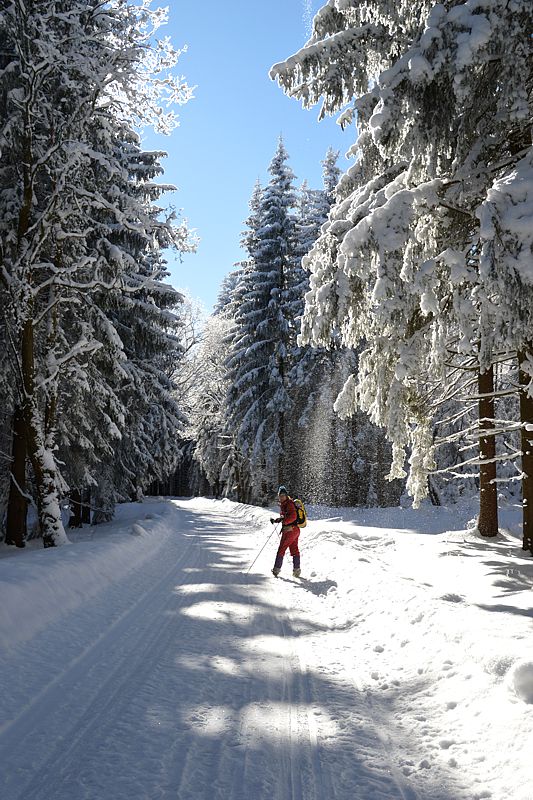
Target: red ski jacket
[{"x": 288, "y": 515}]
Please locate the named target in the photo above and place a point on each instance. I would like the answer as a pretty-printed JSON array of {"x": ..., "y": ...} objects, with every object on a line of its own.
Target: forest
[{"x": 375, "y": 345}]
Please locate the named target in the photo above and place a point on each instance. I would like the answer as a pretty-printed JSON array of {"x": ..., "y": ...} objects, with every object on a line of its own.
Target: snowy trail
[
  {"x": 152, "y": 707},
  {"x": 187, "y": 679},
  {"x": 196, "y": 690},
  {"x": 67, "y": 716}
]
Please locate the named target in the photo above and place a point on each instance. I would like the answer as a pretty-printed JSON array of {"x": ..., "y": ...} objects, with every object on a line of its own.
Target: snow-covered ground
[{"x": 143, "y": 662}]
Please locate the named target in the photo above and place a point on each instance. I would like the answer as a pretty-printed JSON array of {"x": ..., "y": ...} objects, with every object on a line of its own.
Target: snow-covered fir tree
[
  {"x": 80, "y": 233},
  {"x": 216, "y": 452},
  {"x": 442, "y": 98},
  {"x": 258, "y": 364},
  {"x": 231, "y": 291},
  {"x": 312, "y": 436},
  {"x": 331, "y": 460},
  {"x": 339, "y": 461}
]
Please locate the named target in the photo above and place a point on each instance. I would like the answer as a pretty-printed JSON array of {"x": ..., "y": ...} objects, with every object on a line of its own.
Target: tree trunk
[
  {"x": 282, "y": 477},
  {"x": 75, "y": 520},
  {"x": 433, "y": 493},
  {"x": 526, "y": 421},
  {"x": 488, "y": 494},
  {"x": 86, "y": 507},
  {"x": 281, "y": 429},
  {"x": 41, "y": 456},
  {"x": 104, "y": 497},
  {"x": 46, "y": 480},
  {"x": 17, "y": 508}
]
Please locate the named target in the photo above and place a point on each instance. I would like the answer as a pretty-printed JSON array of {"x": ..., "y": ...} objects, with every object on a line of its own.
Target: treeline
[
  {"x": 378, "y": 334},
  {"x": 425, "y": 264},
  {"x": 409, "y": 322},
  {"x": 90, "y": 335},
  {"x": 261, "y": 405}
]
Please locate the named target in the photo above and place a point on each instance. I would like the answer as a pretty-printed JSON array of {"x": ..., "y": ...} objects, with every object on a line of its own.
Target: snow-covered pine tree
[
  {"x": 230, "y": 295},
  {"x": 331, "y": 174},
  {"x": 346, "y": 51},
  {"x": 338, "y": 461},
  {"x": 235, "y": 477},
  {"x": 258, "y": 399},
  {"x": 311, "y": 435},
  {"x": 148, "y": 318},
  {"x": 218, "y": 460},
  {"x": 206, "y": 407},
  {"x": 74, "y": 75},
  {"x": 312, "y": 211},
  {"x": 226, "y": 294},
  {"x": 118, "y": 406},
  {"x": 442, "y": 106}
]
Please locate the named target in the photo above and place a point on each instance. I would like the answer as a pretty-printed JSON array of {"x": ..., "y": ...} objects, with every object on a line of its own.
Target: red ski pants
[{"x": 288, "y": 540}]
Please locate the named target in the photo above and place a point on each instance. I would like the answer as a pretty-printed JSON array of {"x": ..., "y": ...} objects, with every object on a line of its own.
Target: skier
[{"x": 289, "y": 533}]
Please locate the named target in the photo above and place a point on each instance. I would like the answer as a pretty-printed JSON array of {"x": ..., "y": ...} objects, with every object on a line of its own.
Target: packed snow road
[{"x": 153, "y": 666}]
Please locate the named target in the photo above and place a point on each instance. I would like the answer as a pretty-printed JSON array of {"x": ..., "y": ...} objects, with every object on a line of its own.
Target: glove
[{"x": 273, "y": 521}]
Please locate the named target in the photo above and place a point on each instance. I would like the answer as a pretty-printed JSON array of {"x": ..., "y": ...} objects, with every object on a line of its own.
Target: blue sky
[{"x": 228, "y": 133}]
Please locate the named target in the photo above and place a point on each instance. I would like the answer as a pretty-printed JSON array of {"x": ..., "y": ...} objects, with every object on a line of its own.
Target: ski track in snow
[{"x": 189, "y": 679}]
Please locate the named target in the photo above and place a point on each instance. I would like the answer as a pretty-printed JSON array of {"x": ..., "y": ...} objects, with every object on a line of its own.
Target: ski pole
[{"x": 259, "y": 553}]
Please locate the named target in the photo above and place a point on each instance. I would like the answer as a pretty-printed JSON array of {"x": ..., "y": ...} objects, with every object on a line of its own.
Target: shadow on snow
[{"x": 223, "y": 710}]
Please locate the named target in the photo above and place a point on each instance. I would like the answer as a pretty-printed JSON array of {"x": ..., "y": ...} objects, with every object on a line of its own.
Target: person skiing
[{"x": 289, "y": 533}]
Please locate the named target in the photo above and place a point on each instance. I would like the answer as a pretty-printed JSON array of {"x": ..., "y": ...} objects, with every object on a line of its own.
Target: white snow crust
[{"x": 144, "y": 662}]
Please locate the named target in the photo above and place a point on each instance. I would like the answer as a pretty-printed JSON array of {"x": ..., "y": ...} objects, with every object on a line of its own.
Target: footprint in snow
[{"x": 445, "y": 744}]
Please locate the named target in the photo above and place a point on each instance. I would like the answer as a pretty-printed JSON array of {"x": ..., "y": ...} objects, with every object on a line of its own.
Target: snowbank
[{"x": 40, "y": 586}]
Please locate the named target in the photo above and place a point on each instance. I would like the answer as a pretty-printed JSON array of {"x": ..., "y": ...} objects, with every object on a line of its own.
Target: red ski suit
[{"x": 289, "y": 531}]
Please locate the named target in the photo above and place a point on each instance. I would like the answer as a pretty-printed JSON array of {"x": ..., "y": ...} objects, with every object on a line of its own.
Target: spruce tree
[
  {"x": 258, "y": 398},
  {"x": 74, "y": 215}
]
